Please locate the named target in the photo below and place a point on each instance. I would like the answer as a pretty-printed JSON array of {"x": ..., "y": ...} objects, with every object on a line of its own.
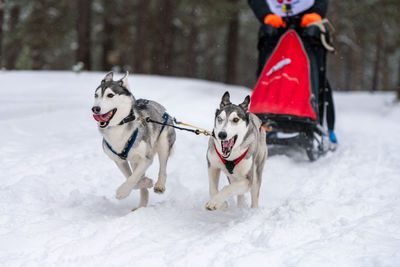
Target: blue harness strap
[
  {"x": 124, "y": 154},
  {"x": 166, "y": 117}
]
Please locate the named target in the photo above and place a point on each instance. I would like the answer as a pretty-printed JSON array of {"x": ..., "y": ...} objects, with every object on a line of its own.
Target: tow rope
[
  {"x": 196, "y": 130},
  {"x": 229, "y": 164},
  {"x": 131, "y": 117}
]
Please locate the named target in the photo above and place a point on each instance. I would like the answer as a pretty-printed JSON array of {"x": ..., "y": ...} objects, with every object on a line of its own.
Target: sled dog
[
  {"x": 130, "y": 142},
  {"x": 238, "y": 148}
]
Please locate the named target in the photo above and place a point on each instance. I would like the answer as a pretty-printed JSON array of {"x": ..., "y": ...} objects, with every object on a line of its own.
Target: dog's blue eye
[
  {"x": 110, "y": 95},
  {"x": 219, "y": 119},
  {"x": 96, "y": 95}
]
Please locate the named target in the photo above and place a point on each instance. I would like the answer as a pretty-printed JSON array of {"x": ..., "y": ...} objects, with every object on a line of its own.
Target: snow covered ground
[{"x": 57, "y": 187}]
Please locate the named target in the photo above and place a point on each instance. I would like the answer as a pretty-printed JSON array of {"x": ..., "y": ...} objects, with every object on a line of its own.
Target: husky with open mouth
[
  {"x": 238, "y": 148},
  {"x": 132, "y": 143}
]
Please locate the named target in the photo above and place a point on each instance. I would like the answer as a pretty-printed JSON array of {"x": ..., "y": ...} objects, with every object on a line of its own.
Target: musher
[{"x": 273, "y": 16}]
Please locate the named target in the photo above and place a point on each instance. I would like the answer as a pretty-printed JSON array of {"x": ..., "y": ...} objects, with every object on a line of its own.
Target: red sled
[{"x": 286, "y": 97}]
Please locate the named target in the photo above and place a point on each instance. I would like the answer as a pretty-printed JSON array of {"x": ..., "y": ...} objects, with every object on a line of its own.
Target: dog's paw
[
  {"x": 144, "y": 183},
  {"x": 123, "y": 191},
  {"x": 147, "y": 183},
  {"x": 135, "y": 209},
  {"x": 241, "y": 203},
  {"x": 159, "y": 188},
  {"x": 214, "y": 205}
]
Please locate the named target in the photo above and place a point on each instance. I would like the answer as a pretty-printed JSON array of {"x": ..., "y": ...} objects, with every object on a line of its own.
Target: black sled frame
[
  {"x": 310, "y": 134},
  {"x": 304, "y": 133}
]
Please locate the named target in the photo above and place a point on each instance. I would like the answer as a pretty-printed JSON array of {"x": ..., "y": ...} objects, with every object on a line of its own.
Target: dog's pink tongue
[
  {"x": 228, "y": 143},
  {"x": 100, "y": 118}
]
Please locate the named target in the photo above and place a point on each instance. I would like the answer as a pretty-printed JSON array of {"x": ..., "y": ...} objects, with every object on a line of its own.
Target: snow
[{"x": 57, "y": 187}]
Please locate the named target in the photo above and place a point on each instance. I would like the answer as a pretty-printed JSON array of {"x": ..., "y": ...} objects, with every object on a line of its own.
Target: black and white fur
[
  {"x": 235, "y": 131},
  {"x": 114, "y": 98}
]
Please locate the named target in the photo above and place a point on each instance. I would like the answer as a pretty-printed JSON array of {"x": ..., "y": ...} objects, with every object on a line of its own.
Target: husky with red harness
[{"x": 237, "y": 147}]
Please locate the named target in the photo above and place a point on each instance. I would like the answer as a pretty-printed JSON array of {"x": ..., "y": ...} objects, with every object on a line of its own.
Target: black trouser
[
  {"x": 268, "y": 39},
  {"x": 330, "y": 108}
]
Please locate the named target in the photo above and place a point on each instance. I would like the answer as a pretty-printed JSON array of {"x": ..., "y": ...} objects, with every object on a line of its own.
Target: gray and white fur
[
  {"x": 236, "y": 131},
  {"x": 113, "y": 103}
]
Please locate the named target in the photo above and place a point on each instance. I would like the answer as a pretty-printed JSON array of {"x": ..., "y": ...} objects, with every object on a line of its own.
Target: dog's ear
[
  {"x": 108, "y": 77},
  {"x": 216, "y": 112},
  {"x": 124, "y": 80},
  {"x": 225, "y": 100},
  {"x": 245, "y": 104}
]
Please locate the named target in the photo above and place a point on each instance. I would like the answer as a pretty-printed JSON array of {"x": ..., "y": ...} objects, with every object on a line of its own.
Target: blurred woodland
[{"x": 205, "y": 39}]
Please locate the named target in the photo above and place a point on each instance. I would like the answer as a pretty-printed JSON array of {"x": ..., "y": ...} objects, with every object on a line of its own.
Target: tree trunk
[
  {"x": 210, "y": 54},
  {"x": 35, "y": 39},
  {"x": 378, "y": 52},
  {"x": 232, "y": 46},
  {"x": 358, "y": 55},
  {"x": 169, "y": 37},
  {"x": 347, "y": 70},
  {"x": 13, "y": 46},
  {"x": 190, "y": 48},
  {"x": 124, "y": 31},
  {"x": 1, "y": 31},
  {"x": 362, "y": 55},
  {"x": 83, "y": 29},
  {"x": 385, "y": 70},
  {"x": 108, "y": 30},
  {"x": 398, "y": 82},
  {"x": 162, "y": 54},
  {"x": 142, "y": 28},
  {"x": 333, "y": 67}
]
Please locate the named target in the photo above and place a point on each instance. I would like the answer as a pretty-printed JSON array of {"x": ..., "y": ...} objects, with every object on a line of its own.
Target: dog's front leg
[
  {"x": 236, "y": 188},
  {"x": 124, "y": 167},
  {"x": 163, "y": 154},
  {"x": 255, "y": 187},
  {"x": 241, "y": 202},
  {"x": 126, "y": 171},
  {"x": 213, "y": 177},
  {"x": 125, "y": 189}
]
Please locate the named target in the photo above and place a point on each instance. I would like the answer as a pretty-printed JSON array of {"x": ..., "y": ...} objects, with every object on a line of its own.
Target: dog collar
[
  {"x": 129, "y": 118},
  {"x": 124, "y": 154},
  {"x": 230, "y": 164}
]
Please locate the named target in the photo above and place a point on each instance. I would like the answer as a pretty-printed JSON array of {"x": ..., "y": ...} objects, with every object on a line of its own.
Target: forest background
[{"x": 204, "y": 39}]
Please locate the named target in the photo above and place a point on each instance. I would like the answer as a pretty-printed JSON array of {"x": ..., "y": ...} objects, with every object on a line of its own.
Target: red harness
[{"x": 230, "y": 164}]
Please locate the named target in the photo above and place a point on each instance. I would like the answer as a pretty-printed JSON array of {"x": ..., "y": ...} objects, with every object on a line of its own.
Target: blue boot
[{"x": 332, "y": 136}]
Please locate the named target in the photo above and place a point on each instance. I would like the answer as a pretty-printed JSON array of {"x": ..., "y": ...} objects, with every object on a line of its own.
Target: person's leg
[
  {"x": 311, "y": 36},
  {"x": 330, "y": 113}
]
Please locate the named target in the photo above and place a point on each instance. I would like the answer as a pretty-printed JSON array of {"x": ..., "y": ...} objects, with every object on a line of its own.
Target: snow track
[{"x": 57, "y": 187}]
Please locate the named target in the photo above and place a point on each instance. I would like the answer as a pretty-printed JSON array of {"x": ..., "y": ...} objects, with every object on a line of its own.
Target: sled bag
[{"x": 284, "y": 86}]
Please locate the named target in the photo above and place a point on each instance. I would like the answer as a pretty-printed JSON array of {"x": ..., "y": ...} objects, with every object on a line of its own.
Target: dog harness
[
  {"x": 127, "y": 148},
  {"x": 124, "y": 154},
  {"x": 230, "y": 164},
  {"x": 166, "y": 117}
]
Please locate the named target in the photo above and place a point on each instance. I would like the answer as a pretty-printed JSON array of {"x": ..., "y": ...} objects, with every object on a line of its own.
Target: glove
[
  {"x": 310, "y": 18},
  {"x": 274, "y": 20}
]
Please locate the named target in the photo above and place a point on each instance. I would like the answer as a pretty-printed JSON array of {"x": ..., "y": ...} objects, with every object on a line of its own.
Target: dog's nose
[
  {"x": 96, "y": 109},
  {"x": 222, "y": 135}
]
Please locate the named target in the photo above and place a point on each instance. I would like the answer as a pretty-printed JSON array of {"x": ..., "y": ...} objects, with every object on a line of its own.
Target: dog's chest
[
  {"x": 121, "y": 144},
  {"x": 138, "y": 150},
  {"x": 231, "y": 169}
]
